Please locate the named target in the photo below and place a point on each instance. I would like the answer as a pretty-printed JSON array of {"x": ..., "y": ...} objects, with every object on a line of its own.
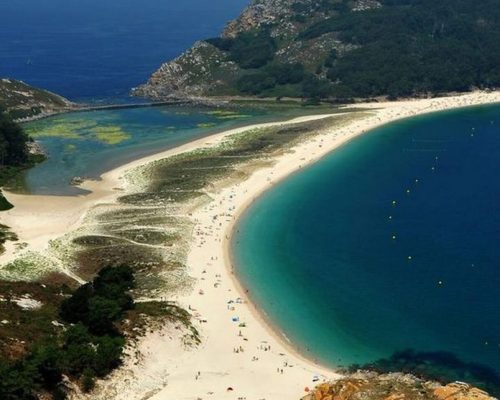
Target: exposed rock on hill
[
  {"x": 371, "y": 386},
  {"x": 341, "y": 49},
  {"x": 24, "y": 101}
]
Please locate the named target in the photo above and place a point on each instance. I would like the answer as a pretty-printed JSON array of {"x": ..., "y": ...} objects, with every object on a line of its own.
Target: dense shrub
[
  {"x": 13, "y": 142},
  {"x": 90, "y": 348}
]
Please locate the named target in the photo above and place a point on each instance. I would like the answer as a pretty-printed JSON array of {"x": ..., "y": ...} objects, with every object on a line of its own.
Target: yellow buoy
[
  {"x": 440, "y": 283},
  {"x": 407, "y": 190},
  {"x": 394, "y": 202},
  {"x": 409, "y": 257},
  {"x": 393, "y": 237}
]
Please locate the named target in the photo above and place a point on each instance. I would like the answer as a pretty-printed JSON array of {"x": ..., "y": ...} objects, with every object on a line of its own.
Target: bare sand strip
[{"x": 241, "y": 356}]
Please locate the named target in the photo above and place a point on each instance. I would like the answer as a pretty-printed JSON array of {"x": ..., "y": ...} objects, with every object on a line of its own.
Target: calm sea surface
[
  {"x": 352, "y": 277},
  {"x": 96, "y": 50}
]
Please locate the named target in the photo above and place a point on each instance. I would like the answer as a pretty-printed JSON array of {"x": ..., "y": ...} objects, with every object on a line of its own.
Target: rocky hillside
[
  {"x": 23, "y": 101},
  {"x": 371, "y": 386},
  {"x": 341, "y": 49}
]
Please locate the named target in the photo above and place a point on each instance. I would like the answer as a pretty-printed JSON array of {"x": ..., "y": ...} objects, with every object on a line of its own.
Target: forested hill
[{"x": 342, "y": 49}]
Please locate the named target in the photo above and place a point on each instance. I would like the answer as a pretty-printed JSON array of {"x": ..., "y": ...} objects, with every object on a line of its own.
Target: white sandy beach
[{"x": 230, "y": 356}]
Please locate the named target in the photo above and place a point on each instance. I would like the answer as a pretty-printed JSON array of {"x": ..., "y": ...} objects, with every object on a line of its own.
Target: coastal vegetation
[
  {"x": 21, "y": 100},
  {"x": 15, "y": 157},
  {"x": 149, "y": 228},
  {"x": 339, "y": 50},
  {"x": 91, "y": 346},
  {"x": 80, "y": 334}
]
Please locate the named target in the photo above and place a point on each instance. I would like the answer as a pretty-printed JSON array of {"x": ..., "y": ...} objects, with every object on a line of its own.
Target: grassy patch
[
  {"x": 29, "y": 267},
  {"x": 36, "y": 323}
]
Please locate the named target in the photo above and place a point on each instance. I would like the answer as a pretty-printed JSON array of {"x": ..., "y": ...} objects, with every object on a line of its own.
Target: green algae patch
[
  {"x": 226, "y": 114},
  {"x": 79, "y": 130},
  {"x": 233, "y": 116},
  {"x": 111, "y": 135},
  {"x": 60, "y": 128},
  {"x": 206, "y": 125},
  {"x": 69, "y": 148}
]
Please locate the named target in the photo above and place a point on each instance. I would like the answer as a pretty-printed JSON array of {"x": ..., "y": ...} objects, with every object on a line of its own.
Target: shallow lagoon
[{"x": 86, "y": 144}]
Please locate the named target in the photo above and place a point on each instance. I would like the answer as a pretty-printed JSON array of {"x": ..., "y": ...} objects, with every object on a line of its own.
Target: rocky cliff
[
  {"x": 371, "y": 386},
  {"x": 341, "y": 49},
  {"x": 206, "y": 69},
  {"x": 23, "y": 101}
]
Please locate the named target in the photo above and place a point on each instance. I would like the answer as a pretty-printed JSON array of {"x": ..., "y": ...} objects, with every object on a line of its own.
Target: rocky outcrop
[
  {"x": 23, "y": 101},
  {"x": 259, "y": 13},
  {"x": 339, "y": 50},
  {"x": 201, "y": 70},
  {"x": 372, "y": 386},
  {"x": 205, "y": 70}
]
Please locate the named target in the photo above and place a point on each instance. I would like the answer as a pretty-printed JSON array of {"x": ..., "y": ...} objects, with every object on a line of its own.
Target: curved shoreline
[
  {"x": 214, "y": 245},
  {"x": 262, "y": 189},
  {"x": 168, "y": 369},
  {"x": 56, "y": 215}
]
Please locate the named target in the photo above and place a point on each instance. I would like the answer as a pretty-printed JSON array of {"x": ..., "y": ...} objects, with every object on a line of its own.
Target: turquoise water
[{"x": 326, "y": 253}]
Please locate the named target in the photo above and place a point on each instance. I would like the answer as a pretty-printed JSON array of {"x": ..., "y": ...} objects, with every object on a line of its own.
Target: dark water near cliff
[
  {"x": 98, "y": 49},
  {"x": 327, "y": 254}
]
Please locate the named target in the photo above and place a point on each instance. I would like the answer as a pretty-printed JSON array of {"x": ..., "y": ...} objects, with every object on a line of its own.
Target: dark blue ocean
[
  {"x": 391, "y": 243},
  {"x": 95, "y": 50}
]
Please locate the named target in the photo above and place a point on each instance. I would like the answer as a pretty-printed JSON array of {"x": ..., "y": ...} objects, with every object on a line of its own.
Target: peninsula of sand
[{"x": 241, "y": 355}]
